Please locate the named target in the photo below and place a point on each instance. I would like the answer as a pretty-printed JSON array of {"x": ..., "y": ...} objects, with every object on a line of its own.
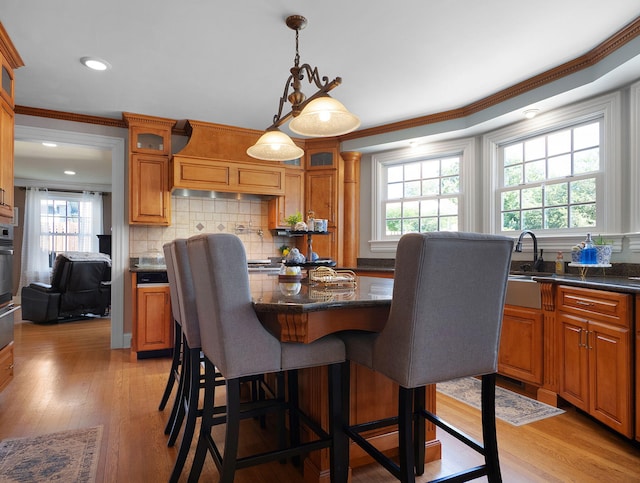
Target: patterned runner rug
[
  {"x": 69, "y": 456},
  {"x": 510, "y": 407}
]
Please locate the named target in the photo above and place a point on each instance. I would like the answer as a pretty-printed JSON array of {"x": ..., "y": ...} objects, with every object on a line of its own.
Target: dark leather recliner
[{"x": 80, "y": 285}]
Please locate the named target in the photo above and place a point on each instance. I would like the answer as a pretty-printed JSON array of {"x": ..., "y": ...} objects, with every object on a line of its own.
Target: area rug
[
  {"x": 510, "y": 407},
  {"x": 69, "y": 456}
]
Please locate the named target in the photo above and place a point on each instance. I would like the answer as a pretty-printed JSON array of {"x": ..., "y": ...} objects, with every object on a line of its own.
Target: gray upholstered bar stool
[
  {"x": 444, "y": 323},
  {"x": 176, "y": 370},
  {"x": 183, "y": 305},
  {"x": 234, "y": 340}
]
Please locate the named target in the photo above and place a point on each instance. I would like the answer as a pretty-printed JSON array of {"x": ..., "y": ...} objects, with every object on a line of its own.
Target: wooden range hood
[{"x": 215, "y": 159}]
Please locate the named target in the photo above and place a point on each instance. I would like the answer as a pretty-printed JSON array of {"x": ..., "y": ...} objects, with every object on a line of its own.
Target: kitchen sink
[{"x": 522, "y": 291}]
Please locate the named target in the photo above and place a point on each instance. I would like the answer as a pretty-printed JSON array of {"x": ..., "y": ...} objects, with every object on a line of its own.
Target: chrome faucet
[{"x": 536, "y": 262}]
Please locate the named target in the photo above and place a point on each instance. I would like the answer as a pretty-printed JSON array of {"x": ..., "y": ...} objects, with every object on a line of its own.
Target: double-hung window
[
  {"x": 549, "y": 181},
  {"x": 70, "y": 222},
  {"x": 420, "y": 190},
  {"x": 557, "y": 174}
]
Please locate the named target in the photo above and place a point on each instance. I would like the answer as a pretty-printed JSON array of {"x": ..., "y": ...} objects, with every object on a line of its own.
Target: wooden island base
[
  {"x": 306, "y": 317},
  {"x": 373, "y": 397}
]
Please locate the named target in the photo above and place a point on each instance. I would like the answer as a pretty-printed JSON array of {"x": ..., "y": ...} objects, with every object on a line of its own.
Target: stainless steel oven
[
  {"x": 6, "y": 287},
  {"x": 6, "y": 264}
]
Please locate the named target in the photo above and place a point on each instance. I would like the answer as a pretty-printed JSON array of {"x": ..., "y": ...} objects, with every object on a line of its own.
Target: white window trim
[
  {"x": 634, "y": 167},
  {"x": 465, "y": 148},
  {"x": 609, "y": 108}
]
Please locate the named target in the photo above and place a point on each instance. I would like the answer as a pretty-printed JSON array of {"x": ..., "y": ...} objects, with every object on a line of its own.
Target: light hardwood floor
[{"x": 66, "y": 377}]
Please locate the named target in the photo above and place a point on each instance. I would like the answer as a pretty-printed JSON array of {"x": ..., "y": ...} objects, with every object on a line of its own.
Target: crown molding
[
  {"x": 70, "y": 116},
  {"x": 8, "y": 50},
  {"x": 595, "y": 55}
]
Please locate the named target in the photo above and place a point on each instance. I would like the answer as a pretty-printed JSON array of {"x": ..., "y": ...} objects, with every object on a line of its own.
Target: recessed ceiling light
[
  {"x": 531, "y": 113},
  {"x": 94, "y": 63},
  {"x": 49, "y": 145},
  {"x": 69, "y": 172}
]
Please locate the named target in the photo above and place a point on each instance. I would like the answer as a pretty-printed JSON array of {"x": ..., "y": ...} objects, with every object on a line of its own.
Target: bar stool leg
[
  {"x": 192, "y": 364},
  {"x": 228, "y": 470},
  {"x": 205, "y": 424},
  {"x": 490, "y": 440},
  {"x": 338, "y": 413},
  {"x": 405, "y": 435},
  {"x": 178, "y": 412},
  {"x": 175, "y": 364},
  {"x": 419, "y": 435}
]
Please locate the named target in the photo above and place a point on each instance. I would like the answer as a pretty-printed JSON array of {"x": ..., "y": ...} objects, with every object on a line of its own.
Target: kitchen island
[{"x": 300, "y": 312}]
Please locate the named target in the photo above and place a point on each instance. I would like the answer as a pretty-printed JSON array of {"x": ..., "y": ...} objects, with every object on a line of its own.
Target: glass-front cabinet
[{"x": 149, "y": 152}]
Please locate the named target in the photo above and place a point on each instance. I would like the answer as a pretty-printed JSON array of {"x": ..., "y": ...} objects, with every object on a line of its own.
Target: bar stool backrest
[
  {"x": 173, "y": 286},
  {"x": 446, "y": 312},
  {"x": 186, "y": 293},
  {"x": 232, "y": 336}
]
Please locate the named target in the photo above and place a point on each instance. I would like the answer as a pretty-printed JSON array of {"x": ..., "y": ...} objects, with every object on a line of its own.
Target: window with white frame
[
  {"x": 549, "y": 181},
  {"x": 558, "y": 174},
  {"x": 70, "y": 222},
  {"x": 420, "y": 190},
  {"x": 422, "y": 196}
]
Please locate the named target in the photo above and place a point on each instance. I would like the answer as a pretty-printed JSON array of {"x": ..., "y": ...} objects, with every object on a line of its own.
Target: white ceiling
[{"x": 226, "y": 62}]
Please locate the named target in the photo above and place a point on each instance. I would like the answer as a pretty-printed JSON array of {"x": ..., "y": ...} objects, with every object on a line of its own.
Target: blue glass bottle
[{"x": 589, "y": 254}]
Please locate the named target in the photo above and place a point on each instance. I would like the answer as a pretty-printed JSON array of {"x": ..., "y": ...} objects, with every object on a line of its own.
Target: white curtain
[
  {"x": 36, "y": 242},
  {"x": 35, "y": 246},
  {"x": 90, "y": 221}
]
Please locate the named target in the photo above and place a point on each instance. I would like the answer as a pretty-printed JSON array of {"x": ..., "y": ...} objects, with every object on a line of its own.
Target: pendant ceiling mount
[{"x": 319, "y": 115}]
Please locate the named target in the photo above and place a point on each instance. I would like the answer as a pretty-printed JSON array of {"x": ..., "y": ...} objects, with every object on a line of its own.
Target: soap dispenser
[
  {"x": 559, "y": 264},
  {"x": 589, "y": 254}
]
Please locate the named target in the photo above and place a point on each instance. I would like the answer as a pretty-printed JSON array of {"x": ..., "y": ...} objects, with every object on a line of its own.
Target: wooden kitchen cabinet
[
  {"x": 595, "y": 354},
  {"x": 150, "y": 196},
  {"x": 637, "y": 398},
  {"x": 227, "y": 176},
  {"x": 153, "y": 321},
  {"x": 291, "y": 203},
  {"x": 9, "y": 60},
  {"x": 521, "y": 344},
  {"x": 324, "y": 195},
  {"x": 6, "y": 365},
  {"x": 149, "y": 152}
]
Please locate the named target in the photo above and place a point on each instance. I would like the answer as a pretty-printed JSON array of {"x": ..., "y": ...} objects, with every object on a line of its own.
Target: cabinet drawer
[
  {"x": 6, "y": 365},
  {"x": 614, "y": 308},
  {"x": 235, "y": 177}
]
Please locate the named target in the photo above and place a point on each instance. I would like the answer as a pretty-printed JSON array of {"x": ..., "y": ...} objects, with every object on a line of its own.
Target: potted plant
[
  {"x": 293, "y": 220},
  {"x": 604, "y": 249}
]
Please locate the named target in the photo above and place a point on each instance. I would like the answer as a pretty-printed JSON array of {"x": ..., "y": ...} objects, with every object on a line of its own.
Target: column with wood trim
[{"x": 351, "y": 207}]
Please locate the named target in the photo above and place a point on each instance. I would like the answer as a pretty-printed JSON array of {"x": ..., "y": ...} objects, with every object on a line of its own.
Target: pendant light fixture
[{"x": 317, "y": 116}]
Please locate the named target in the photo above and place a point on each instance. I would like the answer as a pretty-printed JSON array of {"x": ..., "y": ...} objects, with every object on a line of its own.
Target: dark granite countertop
[
  {"x": 270, "y": 295},
  {"x": 597, "y": 282}
]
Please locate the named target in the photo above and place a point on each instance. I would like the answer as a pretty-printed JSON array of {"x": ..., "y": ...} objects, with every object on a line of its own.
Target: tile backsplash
[{"x": 195, "y": 215}]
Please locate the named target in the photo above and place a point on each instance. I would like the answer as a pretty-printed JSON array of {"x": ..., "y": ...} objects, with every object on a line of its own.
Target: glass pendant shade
[
  {"x": 274, "y": 145},
  {"x": 322, "y": 117}
]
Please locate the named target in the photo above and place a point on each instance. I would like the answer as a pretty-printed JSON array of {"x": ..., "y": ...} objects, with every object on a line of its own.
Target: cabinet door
[
  {"x": 6, "y": 162},
  {"x": 637, "y": 370},
  {"x": 153, "y": 318},
  {"x": 149, "y": 190},
  {"x": 521, "y": 353},
  {"x": 574, "y": 362},
  {"x": 322, "y": 195},
  {"x": 150, "y": 140},
  {"x": 322, "y": 198},
  {"x": 292, "y": 201},
  {"x": 610, "y": 376}
]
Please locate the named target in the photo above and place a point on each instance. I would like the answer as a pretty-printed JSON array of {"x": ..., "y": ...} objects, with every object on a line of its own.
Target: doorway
[{"x": 119, "y": 229}]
